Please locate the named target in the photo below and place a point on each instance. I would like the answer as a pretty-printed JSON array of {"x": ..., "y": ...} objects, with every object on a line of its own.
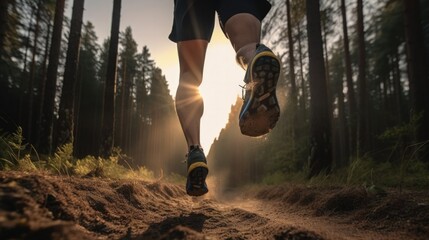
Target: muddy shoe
[
  {"x": 260, "y": 110},
  {"x": 197, "y": 172}
]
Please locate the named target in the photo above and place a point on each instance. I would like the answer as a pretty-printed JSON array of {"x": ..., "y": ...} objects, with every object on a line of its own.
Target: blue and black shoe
[
  {"x": 197, "y": 172},
  {"x": 260, "y": 111}
]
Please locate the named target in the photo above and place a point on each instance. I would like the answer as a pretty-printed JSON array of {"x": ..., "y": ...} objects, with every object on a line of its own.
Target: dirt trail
[
  {"x": 36, "y": 206},
  {"x": 324, "y": 227}
]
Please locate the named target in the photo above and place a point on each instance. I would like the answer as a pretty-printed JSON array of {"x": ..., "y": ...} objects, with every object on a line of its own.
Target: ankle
[
  {"x": 245, "y": 54},
  {"x": 193, "y": 147}
]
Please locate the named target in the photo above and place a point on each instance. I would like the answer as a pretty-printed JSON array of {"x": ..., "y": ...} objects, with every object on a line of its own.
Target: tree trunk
[
  {"x": 363, "y": 123},
  {"x": 30, "y": 88},
  {"x": 330, "y": 97},
  {"x": 109, "y": 91},
  {"x": 320, "y": 125},
  {"x": 417, "y": 70},
  {"x": 51, "y": 81},
  {"x": 342, "y": 127},
  {"x": 399, "y": 112},
  {"x": 349, "y": 80},
  {"x": 21, "y": 118},
  {"x": 66, "y": 111},
  {"x": 293, "y": 96},
  {"x": 303, "y": 103},
  {"x": 124, "y": 109},
  {"x": 42, "y": 84},
  {"x": 77, "y": 143},
  {"x": 325, "y": 50}
]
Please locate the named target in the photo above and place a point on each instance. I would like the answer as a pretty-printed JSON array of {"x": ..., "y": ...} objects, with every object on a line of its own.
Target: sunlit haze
[{"x": 151, "y": 21}]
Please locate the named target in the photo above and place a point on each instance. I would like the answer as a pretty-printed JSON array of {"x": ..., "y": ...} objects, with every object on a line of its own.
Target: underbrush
[
  {"x": 17, "y": 155},
  {"x": 361, "y": 172},
  {"x": 401, "y": 165}
]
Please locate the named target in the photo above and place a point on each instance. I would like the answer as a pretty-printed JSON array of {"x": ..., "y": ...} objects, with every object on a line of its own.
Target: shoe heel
[{"x": 196, "y": 182}]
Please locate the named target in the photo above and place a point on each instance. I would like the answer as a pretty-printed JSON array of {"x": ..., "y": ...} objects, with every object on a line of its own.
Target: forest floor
[{"x": 41, "y": 206}]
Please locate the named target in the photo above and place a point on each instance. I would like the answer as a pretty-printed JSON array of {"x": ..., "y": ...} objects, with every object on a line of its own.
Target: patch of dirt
[
  {"x": 39, "y": 206},
  {"x": 406, "y": 214}
]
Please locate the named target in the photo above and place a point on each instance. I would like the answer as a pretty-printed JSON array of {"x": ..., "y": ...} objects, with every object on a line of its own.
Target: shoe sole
[
  {"x": 196, "y": 182},
  {"x": 262, "y": 111}
]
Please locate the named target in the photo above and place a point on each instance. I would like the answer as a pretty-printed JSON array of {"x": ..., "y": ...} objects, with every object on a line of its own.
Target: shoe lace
[
  {"x": 243, "y": 91},
  {"x": 245, "y": 88}
]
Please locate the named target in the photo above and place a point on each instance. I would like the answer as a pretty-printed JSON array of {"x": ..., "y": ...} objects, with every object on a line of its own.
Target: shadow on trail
[{"x": 180, "y": 227}]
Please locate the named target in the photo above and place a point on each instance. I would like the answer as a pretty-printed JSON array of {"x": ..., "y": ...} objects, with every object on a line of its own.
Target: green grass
[{"x": 16, "y": 155}]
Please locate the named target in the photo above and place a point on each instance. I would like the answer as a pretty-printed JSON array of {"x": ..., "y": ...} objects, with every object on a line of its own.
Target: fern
[
  {"x": 26, "y": 164},
  {"x": 13, "y": 147},
  {"x": 62, "y": 163}
]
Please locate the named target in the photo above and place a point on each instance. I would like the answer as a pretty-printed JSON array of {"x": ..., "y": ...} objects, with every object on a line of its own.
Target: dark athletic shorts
[{"x": 194, "y": 19}]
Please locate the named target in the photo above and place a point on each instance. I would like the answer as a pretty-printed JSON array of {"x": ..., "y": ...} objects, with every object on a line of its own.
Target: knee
[{"x": 190, "y": 78}]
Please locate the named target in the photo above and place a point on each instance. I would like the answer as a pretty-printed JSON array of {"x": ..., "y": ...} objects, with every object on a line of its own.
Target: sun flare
[
  {"x": 222, "y": 78},
  {"x": 219, "y": 89}
]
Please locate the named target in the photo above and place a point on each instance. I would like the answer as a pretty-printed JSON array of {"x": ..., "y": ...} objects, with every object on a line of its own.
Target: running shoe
[
  {"x": 197, "y": 172},
  {"x": 260, "y": 111}
]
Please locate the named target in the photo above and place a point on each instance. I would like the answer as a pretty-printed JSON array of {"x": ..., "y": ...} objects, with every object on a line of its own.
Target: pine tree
[
  {"x": 417, "y": 70},
  {"x": 363, "y": 120},
  {"x": 108, "y": 124},
  {"x": 340, "y": 137},
  {"x": 165, "y": 142},
  {"x": 88, "y": 96},
  {"x": 143, "y": 82},
  {"x": 127, "y": 72},
  {"x": 31, "y": 82},
  {"x": 320, "y": 133},
  {"x": 65, "y": 125},
  {"x": 11, "y": 22},
  {"x": 292, "y": 78},
  {"x": 351, "y": 99},
  {"x": 46, "y": 132}
]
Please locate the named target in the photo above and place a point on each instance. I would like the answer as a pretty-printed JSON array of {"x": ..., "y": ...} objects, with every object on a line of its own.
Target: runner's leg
[{"x": 189, "y": 104}]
